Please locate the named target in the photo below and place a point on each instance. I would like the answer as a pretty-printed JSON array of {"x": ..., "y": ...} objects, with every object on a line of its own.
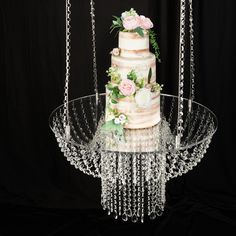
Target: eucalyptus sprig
[
  {"x": 153, "y": 41},
  {"x": 117, "y": 24}
]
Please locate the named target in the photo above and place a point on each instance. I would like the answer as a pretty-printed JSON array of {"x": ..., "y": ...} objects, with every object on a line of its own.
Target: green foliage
[
  {"x": 156, "y": 87},
  {"x": 149, "y": 75},
  {"x": 140, "y": 83},
  {"x": 117, "y": 24},
  {"x": 153, "y": 41},
  {"x": 111, "y": 126},
  {"x": 132, "y": 76},
  {"x": 113, "y": 73},
  {"x": 139, "y": 30}
]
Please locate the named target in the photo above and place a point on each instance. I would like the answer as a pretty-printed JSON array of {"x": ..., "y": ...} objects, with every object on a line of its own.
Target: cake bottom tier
[{"x": 135, "y": 140}]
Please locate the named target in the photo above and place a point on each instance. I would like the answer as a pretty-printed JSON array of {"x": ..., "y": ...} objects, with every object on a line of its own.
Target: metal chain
[
  {"x": 192, "y": 60},
  {"x": 181, "y": 73},
  {"x": 95, "y": 76},
  {"x": 67, "y": 75}
]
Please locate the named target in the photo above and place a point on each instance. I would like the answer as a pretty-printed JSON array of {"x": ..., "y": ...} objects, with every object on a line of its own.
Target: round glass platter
[{"x": 87, "y": 142}]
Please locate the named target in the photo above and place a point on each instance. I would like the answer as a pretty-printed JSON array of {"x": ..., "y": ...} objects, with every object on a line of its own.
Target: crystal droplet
[
  {"x": 115, "y": 215},
  {"x": 142, "y": 220},
  {"x": 134, "y": 218},
  {"x": 159, "y": 212},
  {"x": 124, "y": 217},
  {"x": 153, "y": 216},
  {"x": 129, "y": 213}
]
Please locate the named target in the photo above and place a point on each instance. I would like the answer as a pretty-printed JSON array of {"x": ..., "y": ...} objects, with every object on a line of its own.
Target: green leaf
[
  {"x": 139, "y": 30},
  {"x": 115, "y": 22},
  {"x": 109, "y": 125},
  {"x": 116, "y": 91},
  {"x": 114, "y": 101},
  {"x": 132, "y": 75},
  {"x": 120, "y": 96},
  {"x": 149, "y": 75},
  {"x": 110, "y": 87},
  {"x": 119, "y": 130},
  {"x": 154, "y": 44}
]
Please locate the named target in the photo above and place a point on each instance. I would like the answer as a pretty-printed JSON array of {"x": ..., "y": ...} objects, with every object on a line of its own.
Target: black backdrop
[{"x": 40, "y": 193}]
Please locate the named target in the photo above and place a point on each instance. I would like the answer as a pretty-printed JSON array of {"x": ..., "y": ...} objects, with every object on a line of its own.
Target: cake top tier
[
  {"x": 133, "y": 41},
  {"x": 135, "y": 31}
]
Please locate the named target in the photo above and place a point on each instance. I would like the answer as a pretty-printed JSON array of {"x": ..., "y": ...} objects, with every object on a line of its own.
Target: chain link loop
[
  {"x": 192, "y": 60},
  {"x": 95, "y": 76},
  {"x": 181, "y": 73},
  {"x": 67, "y": 75}
]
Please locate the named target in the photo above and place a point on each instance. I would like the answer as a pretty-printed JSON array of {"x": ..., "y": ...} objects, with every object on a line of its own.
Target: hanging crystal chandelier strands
[{"x": 133, "y": 182}]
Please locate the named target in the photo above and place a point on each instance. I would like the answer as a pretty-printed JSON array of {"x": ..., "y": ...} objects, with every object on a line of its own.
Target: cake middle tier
[
  {"x": 140, "y": 65},
  {"x": 138, "y": 117}
]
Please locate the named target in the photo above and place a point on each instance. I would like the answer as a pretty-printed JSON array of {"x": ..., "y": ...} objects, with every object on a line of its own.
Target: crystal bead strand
[
  {"x": 134, "y": 183},
  {"x": 149, "y": 197},
  {"x": 163, "y": 182},
  {"x": 119, "y": 185},
  {"x": 142, "y": 165},
  {"x": 181, "y": 73},
  {"x": 111, "y": 179},
  {"x": 93, "y": 24},
  {"x": 103, "y": 182},
  {"x": 124, "y": 182},
  {"x": 138, "y": 185},
  {"x": 108, "y": 181},
  {"x": 67, "y": 75},
  {"x": 192, "y": 60},
  {"x": 115, "y": 200},
  {"x": 129, "y": 184}
]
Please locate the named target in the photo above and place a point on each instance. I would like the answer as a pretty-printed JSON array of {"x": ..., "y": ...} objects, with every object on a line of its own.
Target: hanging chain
[
  {"x": 67, "y": 75},
  {"x": 95, "y": 76},
  {"x": 192, "y": 62},
  {"x": 181, "y": 73}
]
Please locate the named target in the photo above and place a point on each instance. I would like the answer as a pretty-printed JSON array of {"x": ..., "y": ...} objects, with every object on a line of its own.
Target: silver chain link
[
  {"x": 192, "y": 60},
  {"x": 181, "y": 66},
  {"x": 181, "y": 73},
  {"x": 67, "y": 75},
  {"x": 95, "y": 76}
]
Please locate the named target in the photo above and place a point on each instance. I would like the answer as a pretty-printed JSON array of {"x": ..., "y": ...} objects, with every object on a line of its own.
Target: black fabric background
[{"x": 40, "y": 193}]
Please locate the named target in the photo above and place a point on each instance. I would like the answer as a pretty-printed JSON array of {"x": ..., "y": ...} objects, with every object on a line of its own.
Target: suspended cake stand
[{"x": 134, "y": 172}]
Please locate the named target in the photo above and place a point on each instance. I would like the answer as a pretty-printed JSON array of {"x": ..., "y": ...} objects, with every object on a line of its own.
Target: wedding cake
[{"x": 132, "y": 94}]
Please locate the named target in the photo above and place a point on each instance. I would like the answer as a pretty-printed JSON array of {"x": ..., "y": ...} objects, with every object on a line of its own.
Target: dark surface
[{"x": 40, "y": 193}]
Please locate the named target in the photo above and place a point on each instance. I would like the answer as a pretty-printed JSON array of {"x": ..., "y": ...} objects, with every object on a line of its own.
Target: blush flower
[
  {"x": 115, "y": 52},
  {"x": 145, "y": 22},
  {"x": 143, "y": 98},
  {"x": 131, "y": 22},
  {"x": 127, "y": 87}
]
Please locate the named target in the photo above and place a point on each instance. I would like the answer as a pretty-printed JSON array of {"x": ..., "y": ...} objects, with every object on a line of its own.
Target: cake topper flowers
[{"x": 130, "y": 21}]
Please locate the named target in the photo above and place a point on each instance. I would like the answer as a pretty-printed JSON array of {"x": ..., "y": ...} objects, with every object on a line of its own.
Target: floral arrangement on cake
[
  {"x": 135, "y": 88},
  {"x": 130, "y": 21}
]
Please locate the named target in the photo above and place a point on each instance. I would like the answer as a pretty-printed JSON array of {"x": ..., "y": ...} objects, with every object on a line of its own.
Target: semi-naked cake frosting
[
  {"x": 135, "y": 55},
  {"x": 132, "y": 94}
]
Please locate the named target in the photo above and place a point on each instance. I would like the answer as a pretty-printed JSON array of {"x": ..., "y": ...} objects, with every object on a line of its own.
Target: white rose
[
  {"x": 131, "y": 12},
  {"x": 122, "y": 118},
  {"x": 143, "y": 98},
  {"x": 117, "y": 121}
]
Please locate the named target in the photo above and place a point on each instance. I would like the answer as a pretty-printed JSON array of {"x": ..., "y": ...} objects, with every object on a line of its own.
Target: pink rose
[
  {"x": 127, "y": 87},
  {"x": 145, "y": 22},
  {"x": 115, "y": 52},
  {"x": 131, "y": 22}
]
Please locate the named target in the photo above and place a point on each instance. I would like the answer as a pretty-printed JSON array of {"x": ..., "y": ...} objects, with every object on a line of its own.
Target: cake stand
[{"x": 134, "y": 172}]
